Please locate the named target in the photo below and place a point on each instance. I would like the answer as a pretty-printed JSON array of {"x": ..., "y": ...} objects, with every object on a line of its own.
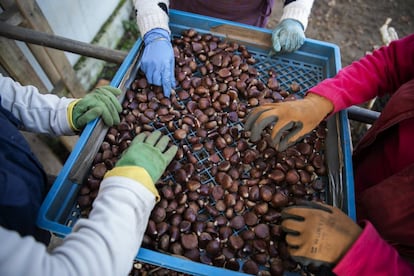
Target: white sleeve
[
  {"x": 104, "y": 244},
  {"x": 150, "y": 15},
  {"x": 41, "y": 113},
  {"x": 298, "y": 10}
]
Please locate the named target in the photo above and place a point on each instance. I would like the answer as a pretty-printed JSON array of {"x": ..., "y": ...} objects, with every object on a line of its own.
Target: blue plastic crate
[{"x": 312, "y": 63}]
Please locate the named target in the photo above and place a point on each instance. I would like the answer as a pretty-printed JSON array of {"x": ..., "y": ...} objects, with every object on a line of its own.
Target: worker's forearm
[
  {"x": 376, "y": 74},
  {"x": 104, "y": 244},
  {"x": 41, "y": 113},
  {"x": 298, "y": 10},
  {"x": 151, "y": 15},
  {"x": 371, "y": 255}
]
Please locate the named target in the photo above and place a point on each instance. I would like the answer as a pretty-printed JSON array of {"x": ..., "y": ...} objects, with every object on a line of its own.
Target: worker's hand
[
  {"x": 158, "y": 60},
  {"x": 292, "y": 119},
  {"x": 146, "y": 159},
  {"x": 318, "y": 234},
  {"x": 288, "y": 36},
  {"x": 102, "y": 102}
]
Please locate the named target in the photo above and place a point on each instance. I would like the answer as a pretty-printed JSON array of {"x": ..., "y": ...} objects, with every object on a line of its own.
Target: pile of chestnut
[{"x": 222, "y": 195}]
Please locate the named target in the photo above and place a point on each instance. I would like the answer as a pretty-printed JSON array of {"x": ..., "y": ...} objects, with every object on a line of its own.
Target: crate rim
[{"x": 162, "y": 259}]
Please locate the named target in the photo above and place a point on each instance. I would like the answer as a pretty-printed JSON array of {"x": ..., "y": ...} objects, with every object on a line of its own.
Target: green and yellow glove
[
  {"x": 318, "y": 234},
  {"x": 102, "y": 102},
  {"x": 145, "y": 160},
  {"x": 292, "y": 119}
]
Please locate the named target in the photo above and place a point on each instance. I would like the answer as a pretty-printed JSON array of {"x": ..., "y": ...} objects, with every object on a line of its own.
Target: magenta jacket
[{"x": 383, "y": 160}]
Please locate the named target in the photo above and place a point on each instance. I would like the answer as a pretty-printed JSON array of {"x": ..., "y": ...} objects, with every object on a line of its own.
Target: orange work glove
[
  {"x": 292, "y": 119},
  {"x": 318, "y": 234}
]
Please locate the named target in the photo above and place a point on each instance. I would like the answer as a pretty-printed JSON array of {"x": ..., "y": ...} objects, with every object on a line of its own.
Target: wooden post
[
  {"x": 17, "y": 65},
  {"x": 46, "y": 63},
  {"x": 35, "y": 20}
]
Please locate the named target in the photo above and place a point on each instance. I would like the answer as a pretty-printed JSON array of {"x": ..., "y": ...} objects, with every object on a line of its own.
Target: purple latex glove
[
  {"x": 288, "y": 36},
  {"x": 158, "y": 60}
]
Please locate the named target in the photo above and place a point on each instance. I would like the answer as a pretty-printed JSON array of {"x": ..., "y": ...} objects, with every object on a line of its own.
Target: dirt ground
[{"x": 354, "y": 25}]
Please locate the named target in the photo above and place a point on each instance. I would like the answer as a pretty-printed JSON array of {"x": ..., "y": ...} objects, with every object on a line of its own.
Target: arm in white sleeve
[
  {"x": 151, "y": 15},
  {"x": 41, "y": 113},
  {"x": 104, "y": 244},
  {"x": 298, "y": 10}
]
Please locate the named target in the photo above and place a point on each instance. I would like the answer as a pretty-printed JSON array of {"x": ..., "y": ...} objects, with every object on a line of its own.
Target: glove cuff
[
  {"x": 150, "y": 16},
  {"x": 70, "y": 115},
  {"x": 298, "y": 10},
  {"x": 138, "y": 174},
  {"x": 322, "y": 104},
  {"x": 156, "y": 34}
]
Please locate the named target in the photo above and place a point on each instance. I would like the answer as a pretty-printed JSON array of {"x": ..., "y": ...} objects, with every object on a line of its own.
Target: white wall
[{"x": 77, "y": 19}]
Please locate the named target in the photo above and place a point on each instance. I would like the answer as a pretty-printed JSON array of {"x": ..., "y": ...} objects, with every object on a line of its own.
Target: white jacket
[
  {"x": 40, "y": 113},
  {"x": 104, "y": 244}
]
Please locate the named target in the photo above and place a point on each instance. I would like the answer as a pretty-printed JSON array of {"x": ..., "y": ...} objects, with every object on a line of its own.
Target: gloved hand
[
  {"x": 318, "y": 234},
  {"x": 157, "y": 61},
  {"x": 288, "y": 36},
  {"x": 293, "y": 119},
  {"x": 145, "y": 160},
  {"x": 102, "y": 102}
]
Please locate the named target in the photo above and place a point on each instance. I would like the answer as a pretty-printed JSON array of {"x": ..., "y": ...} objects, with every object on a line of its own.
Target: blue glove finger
[
  {"x": 170, "y": 83},
  {"x": 157, "y": 69},
  {"x": 276, "y": 43},
  {"x": 155, "y": 76},
  {"x": 172, "y": 72},
  {"x": 150, "y": 68},
  {"x": 166, "y": 88},
  {"x": 166, "y": 81},
  {"x": 158, "y": 59},
  {"x": 288, "y": 36}
]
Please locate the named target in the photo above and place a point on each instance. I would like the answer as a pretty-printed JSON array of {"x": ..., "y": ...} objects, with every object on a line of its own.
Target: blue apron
[{"x": 22, "y": 180}]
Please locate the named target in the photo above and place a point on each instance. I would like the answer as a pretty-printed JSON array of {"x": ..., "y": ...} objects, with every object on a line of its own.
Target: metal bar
[
  {"x": 363, "y": 115},
  {"x": 61, "y": 43}
]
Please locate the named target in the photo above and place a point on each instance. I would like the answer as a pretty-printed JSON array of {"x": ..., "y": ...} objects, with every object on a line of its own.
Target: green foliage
[
  {"x": 130, "y": 26},
  {"x": 130, "y": 36}
]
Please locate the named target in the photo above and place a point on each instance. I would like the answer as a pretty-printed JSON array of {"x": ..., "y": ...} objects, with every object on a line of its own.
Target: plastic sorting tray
[{"x": 312, "y": 63}]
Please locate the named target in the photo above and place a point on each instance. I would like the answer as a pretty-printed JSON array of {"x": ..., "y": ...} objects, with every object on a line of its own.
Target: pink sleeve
[
  {"x": 379, "y": 73},
  {"x": 371, "y": 255}
]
